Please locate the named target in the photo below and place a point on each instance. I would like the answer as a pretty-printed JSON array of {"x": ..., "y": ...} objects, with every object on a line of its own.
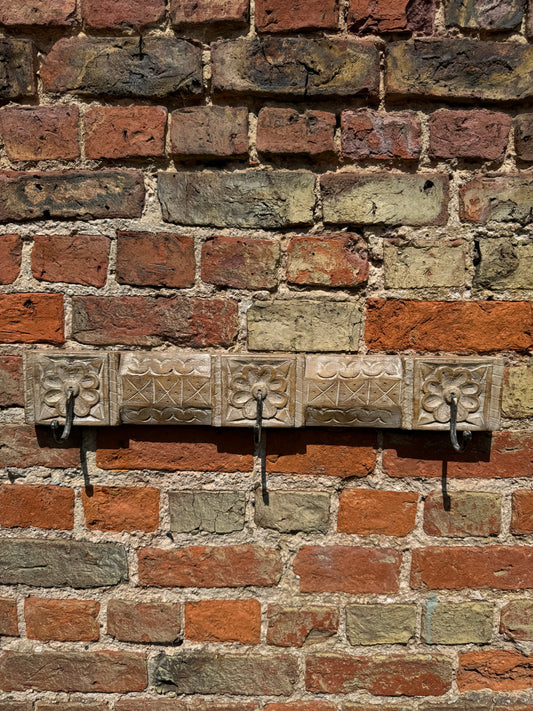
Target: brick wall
[{"x": 305, "y": 176}]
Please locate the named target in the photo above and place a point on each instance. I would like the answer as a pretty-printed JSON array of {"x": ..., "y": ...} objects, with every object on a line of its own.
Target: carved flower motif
[
  {"x": 439, "y": 387},
  {"x": 245, "y": 387},
  {"x": 77, "y": 376}
]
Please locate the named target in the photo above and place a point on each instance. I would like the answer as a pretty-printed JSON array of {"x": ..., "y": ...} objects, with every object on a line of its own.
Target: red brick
[
  {"x": 146, "y": 259},
  {"x": 367, "y": 511},
  {"x": 464, "y": 513},
  {"x": 328, "y": 260},
  {"x": 9, "y": 626},
  {"x": 11, "y": 391},
  {"x": 458, "y": 326},
  {"x": 210, "y": 567},
  {"x": 148, "y": 321},
  {"x": 321, "y": 452},
  {"x": 301, "y": 706},
  {"x": 287, "y": 132},
  {"x": 241, "y": 263},
  {"x": 522, "y": 519},
  {"x": 468, "y": 134},
  {"x": 175, "y": 449},
  {"x": 523, "y": 134},
  {"x": 62, "y": 620},
  {"x": 31, "y": 318},
  {"x": 77, "y": 259},
  {"x": 223, "y": 621},
  {"x": 69, "y": 706},
  {"x": 347, "y": 569},
  {"x": 198, "y": 704},
  {"x": 496, "y": 669},
  {"x": 380, "y": 136},
  {"x": 40, "y": 506},
  {"x": 121, "y": 508},
  {"x": 209, "y": 131},
  {"x": 390, "y": 675},
  {"x": 40, "y": 132},
  {"x": 10, "y": 258},
  {"x": 391, "y": 16},
  {"x": 153, "y": 622},
  {"x": 502, "y": 198},
  {"x": 124, "y": 131},
  {"x": 208, "y": 12},
  {"x": 454, "y": 568},
  {"x": 93, "y": 672},
  {"x": 38, "y": 12},
  {"x": 279, "y": 16},
  {"x": 516, "y": 620},
  {"x": 298, "y": 626},
  {"x": 121, "y": 14},
  {"x": 24, "y": 446},
  {"x": 429, "y": 454},
  {"x": 149, "y": 704}
]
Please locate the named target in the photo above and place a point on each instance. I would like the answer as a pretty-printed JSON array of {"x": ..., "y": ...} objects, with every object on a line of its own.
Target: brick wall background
[{"x": 295, "y": 176}]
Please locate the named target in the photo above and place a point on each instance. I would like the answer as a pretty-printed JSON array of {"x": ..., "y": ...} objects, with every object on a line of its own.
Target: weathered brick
[
  {"x": 159, "y": 67},
  {"x": 161, "y": 259},
  {"x": 291, "y": 626},
  {"x": 272, "y": 66},
  {"x": 380, "y": 136},
  {"x": 460, "y": 69},
  {"x": 459, "y": 326},
  {"x": 380, "y": 624},
  {"x": 76, "y": 259},
  {"x": 354, "y": 706},
  {"x": 209, "y": 131},
  {"x": 457, "y": 623},
  {"x": 104, "y": 671},
  {"x": 211, "y": 673},
  {"x": 505, "y": 198},
  {"x": 145, "y": 320},
  {"x": 149, "y": 704},
  {"x": 468, "y": 134},
  {"x": 210, "y": 566},
  {"x": 52, "y": 564},
  {"x": 504, "y": 264},
  {"x": 424, "y": 264},
  {"x": 40, "y": 506},
  {"x": 153, "y": 622},
  {"x": 121, "y": 14},
  {"x": 391, "y": 16},
  {"x": 328, "y": 260},
  {"x": 497, "y": 669},
  {"x": 367, "y": 511},
  {"x": 472, "y": 14},
  {"x": 523, "y": 135},
  {"x": 124, "y": 131},
  {"x": 39, "y": 12},
  {"x": 62, "y": 620},
  {"x": 287, "y": 132},
  {"x": 454, "y": 568},
  {"x": 121, "y": 508},
  {"x": 10, "y": 258},
  {"x": 10, "y": 705},
  {"x": 517, "y": 396},
  {"x": 24, "y": 446},
  {"x": 259, "y": 199},
  {"x": 463, "y": 514},
  {"x": 516, "y": 620},
  {"x": 382, "y": 198},
  {"x": 17, "y": 73},
  {"x": 223, "y": 621},
  {"x": 40, "y": 132},
  {"x": 303, "y": 325},
  {"x": 391, "y": 675},
  {"x": 71, "y": 194},
  {"x": 209, "y": 12},
  {"x": 31, "y": 318},
  {"x": 278, "y": 16},
  {"x": 292, "y": 511},
  {"x": 301, "y": 706},
  {"x": 69, "y": 706},
  {"x": 9, "y": 626},
  {"x": 199, "y": 704},
  {"x": 241, "y": 263},
  {"x": 348, "y": 569},
  {"x": 11, "y": 391},
  {"x": 522, "y": 519},
  {"x": 209, "y": 511}
]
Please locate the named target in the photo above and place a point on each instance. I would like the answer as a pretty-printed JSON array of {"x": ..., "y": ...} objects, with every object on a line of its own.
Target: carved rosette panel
[
  {"x": 241, "y": 378},
  {"x": 356, "y": 391},
  {"x": 48, "y": 377},
  {"x": 157, "y": 389},
  {"x": 476, "y": 384}
]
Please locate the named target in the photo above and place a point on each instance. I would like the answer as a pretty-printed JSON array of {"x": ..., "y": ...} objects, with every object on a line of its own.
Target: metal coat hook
[
  {"x": 62, "y": 436},
  {"x": 258, "y": 427},
  {"x": 466, "y": 435}
]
